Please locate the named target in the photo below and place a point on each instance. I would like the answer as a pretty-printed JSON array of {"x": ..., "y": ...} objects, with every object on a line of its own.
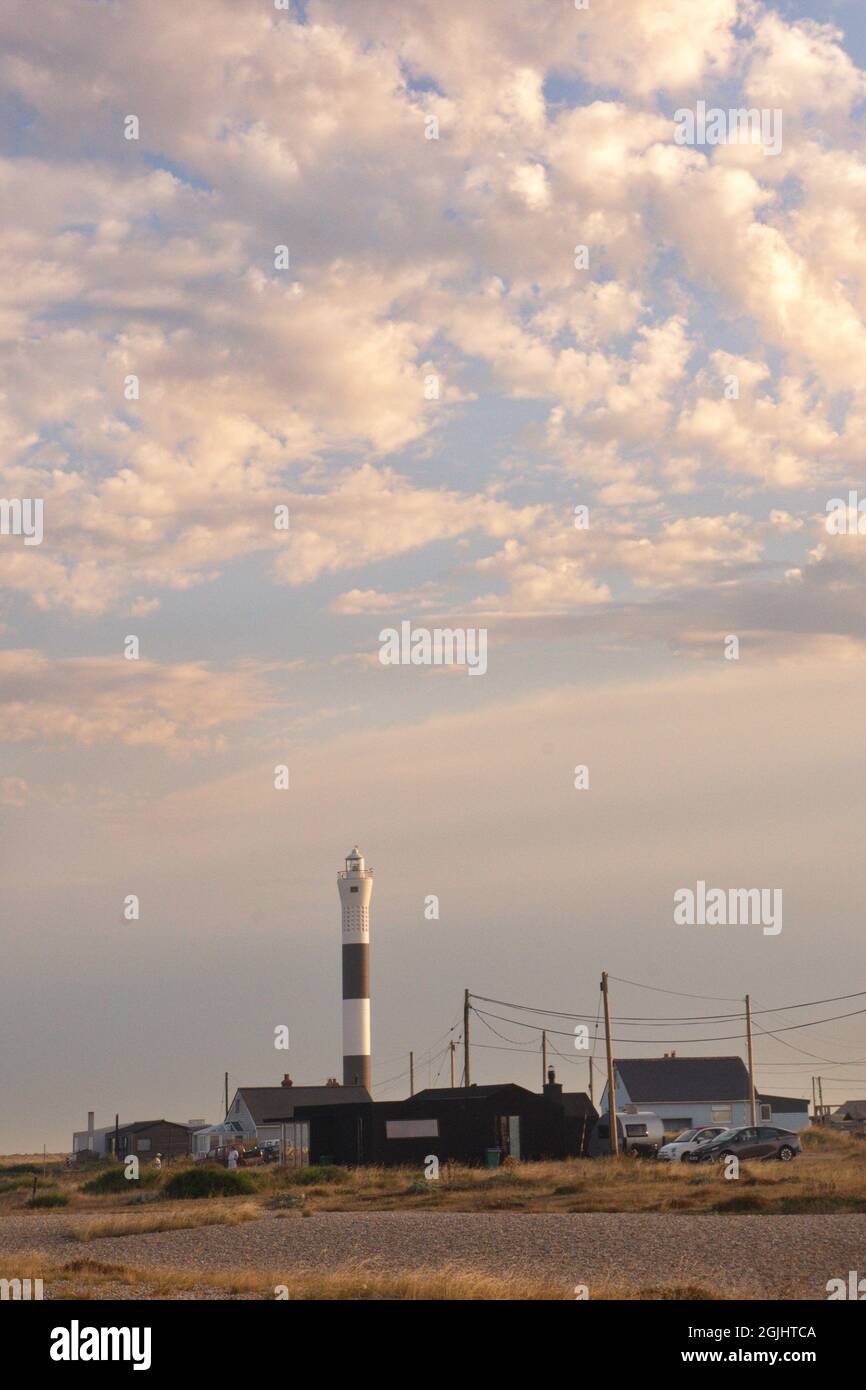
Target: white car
[{"x": 682, "y": 1149}]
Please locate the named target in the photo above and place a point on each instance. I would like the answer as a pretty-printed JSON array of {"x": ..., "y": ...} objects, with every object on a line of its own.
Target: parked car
[
  {"x": 640, "y": 1134},
  {"x": 751, "y": 1141},
  {"x": 684, "y": 1148}
]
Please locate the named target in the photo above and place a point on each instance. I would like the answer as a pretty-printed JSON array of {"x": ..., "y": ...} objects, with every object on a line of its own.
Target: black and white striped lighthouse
[{"x": 355, "y": 883}]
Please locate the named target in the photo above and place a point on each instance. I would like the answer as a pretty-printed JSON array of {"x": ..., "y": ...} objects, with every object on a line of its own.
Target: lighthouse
[{"x": 355, "y": 883}]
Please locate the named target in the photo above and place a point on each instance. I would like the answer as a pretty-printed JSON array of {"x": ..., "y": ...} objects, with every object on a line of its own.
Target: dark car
[{"x": 752, "y": 1141}]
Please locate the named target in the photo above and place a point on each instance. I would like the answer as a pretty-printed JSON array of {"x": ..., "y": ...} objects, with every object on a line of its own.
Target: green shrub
[
  {"x": 115, "y": 1180},
  {"x": 49, "y": 1199},
  {"x": 209, "y": 1182},
  {"x": 319, "y": 1173}
]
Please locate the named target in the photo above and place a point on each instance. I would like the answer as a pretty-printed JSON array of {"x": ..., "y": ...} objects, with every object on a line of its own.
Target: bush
[
  {"x": 209, "y": 1182},
  {"x": 115, "y": 1180},
  {"x": 49, "y": 1199},
  {"x": 748, "y": 1202},
  {"x": 319, "y": 1173},
  {"x": 284, "y": 1201}
]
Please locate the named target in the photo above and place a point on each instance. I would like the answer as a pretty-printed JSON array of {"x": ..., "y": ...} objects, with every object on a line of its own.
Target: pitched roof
[
  {"x": 853, "y": 1109},
  {"x": 665, "y": 1080},
  {"x": 577, "y": 1103},
  {"x": 275, "y": 1103},
  {"x": 440, "y": 1093},
  {"x": 145, "y": 1124}
]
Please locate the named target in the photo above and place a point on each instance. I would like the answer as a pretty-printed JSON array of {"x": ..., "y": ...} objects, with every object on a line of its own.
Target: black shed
[{"x": 456, "y": 1125}]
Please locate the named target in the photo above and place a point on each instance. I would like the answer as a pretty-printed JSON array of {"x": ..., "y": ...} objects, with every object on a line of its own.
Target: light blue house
[{"x": 687, "y": 1092}]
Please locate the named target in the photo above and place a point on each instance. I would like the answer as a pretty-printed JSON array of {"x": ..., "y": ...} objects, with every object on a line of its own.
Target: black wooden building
[{"x": 457, "y": 1125}]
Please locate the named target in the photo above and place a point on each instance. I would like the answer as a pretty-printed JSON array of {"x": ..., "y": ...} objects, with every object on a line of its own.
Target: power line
[
  {"x": 656, "y": 1020},
  {"x": 725, "y": 1037},
  {"x": 656, "y": 989}
]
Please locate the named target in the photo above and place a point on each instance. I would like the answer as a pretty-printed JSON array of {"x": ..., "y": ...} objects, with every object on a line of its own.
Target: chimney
[
  {"x": 287, "y": 1080},
  {"x": 90, "y": 1130},
  {"x": 552, "y": 1091}
]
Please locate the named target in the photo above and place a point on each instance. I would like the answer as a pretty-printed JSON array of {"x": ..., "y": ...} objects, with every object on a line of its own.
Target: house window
[
  {"x": 411, "y": 1129},
  {"x": 720, "y": 1114},
  {"x": 353, "y": 890},
  {"x": 766, "y": 1112},
  {"x": 144, "y": 1146}
]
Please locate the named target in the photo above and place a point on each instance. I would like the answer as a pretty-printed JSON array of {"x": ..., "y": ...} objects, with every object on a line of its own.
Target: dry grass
[
  {"x": 144, "y": 1223},
  {"x": 98, "y": 1279},
  {"x": 830, "y": 1176}
]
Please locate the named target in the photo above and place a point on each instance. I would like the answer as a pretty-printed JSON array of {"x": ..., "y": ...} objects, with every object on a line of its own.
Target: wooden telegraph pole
[
  {"x": 751, "y": 1061},
  {"x": 411, "y": 1073},
  {"x": 453, "y": 1048},
  {"x": 543, "y": 1057},
  {"x": 611, "y": 1085},
  {"x": 466, "y": 1037}
]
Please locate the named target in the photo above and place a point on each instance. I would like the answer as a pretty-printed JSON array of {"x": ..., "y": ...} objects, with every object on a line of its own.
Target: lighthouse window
[{"x": 353, "y": 890}]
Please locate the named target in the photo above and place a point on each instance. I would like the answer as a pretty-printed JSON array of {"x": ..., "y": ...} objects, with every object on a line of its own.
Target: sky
[{"x": 321, "y": 263}]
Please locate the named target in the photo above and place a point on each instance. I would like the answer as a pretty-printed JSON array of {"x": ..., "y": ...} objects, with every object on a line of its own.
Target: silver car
[{"x": 682, "y": 1149}]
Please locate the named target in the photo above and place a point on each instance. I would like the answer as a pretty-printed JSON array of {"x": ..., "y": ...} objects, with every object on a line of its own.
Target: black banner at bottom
[{"x": 159, "y": 1338}]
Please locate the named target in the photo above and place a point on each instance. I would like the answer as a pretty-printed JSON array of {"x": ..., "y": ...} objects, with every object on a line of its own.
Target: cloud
[{"x": 95, "y": 700}]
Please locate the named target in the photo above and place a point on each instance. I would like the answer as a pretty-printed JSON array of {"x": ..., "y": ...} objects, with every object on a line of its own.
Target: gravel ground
[{"x": 774, "y": 1256}]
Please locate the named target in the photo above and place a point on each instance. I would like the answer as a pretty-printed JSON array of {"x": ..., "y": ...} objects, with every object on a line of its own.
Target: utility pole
[
  {"x": 117, "y": 1136},
  {"x": 814, "y": 1102},
  {"x": 466, "y": 1037},
  {"x": 543, "y": 1057},
  {"x": 591, "y": 1096},
  {"x": 821, "y": 1099},
  {"x": 411, "y": 1073},
  {"x": 453, "y": 1048},
  {"x": 611, "y": 1085},
  {"x": 751, "y": 1062},
  {"x": 227, "y": 1092}
]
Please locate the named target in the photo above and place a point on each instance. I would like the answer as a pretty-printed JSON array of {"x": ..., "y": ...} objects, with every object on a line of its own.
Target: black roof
[
  {"x": 435, "y": 1095},
  {"x": 467, "y": 1092},
  {"x": 666, "y": 1080},
  {"x": 577, "y": 1103},
  {"x": 792, "y": 1103},
  {"x": 273, "y": 1104},
  {"x": 138, "y": 1125}
]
